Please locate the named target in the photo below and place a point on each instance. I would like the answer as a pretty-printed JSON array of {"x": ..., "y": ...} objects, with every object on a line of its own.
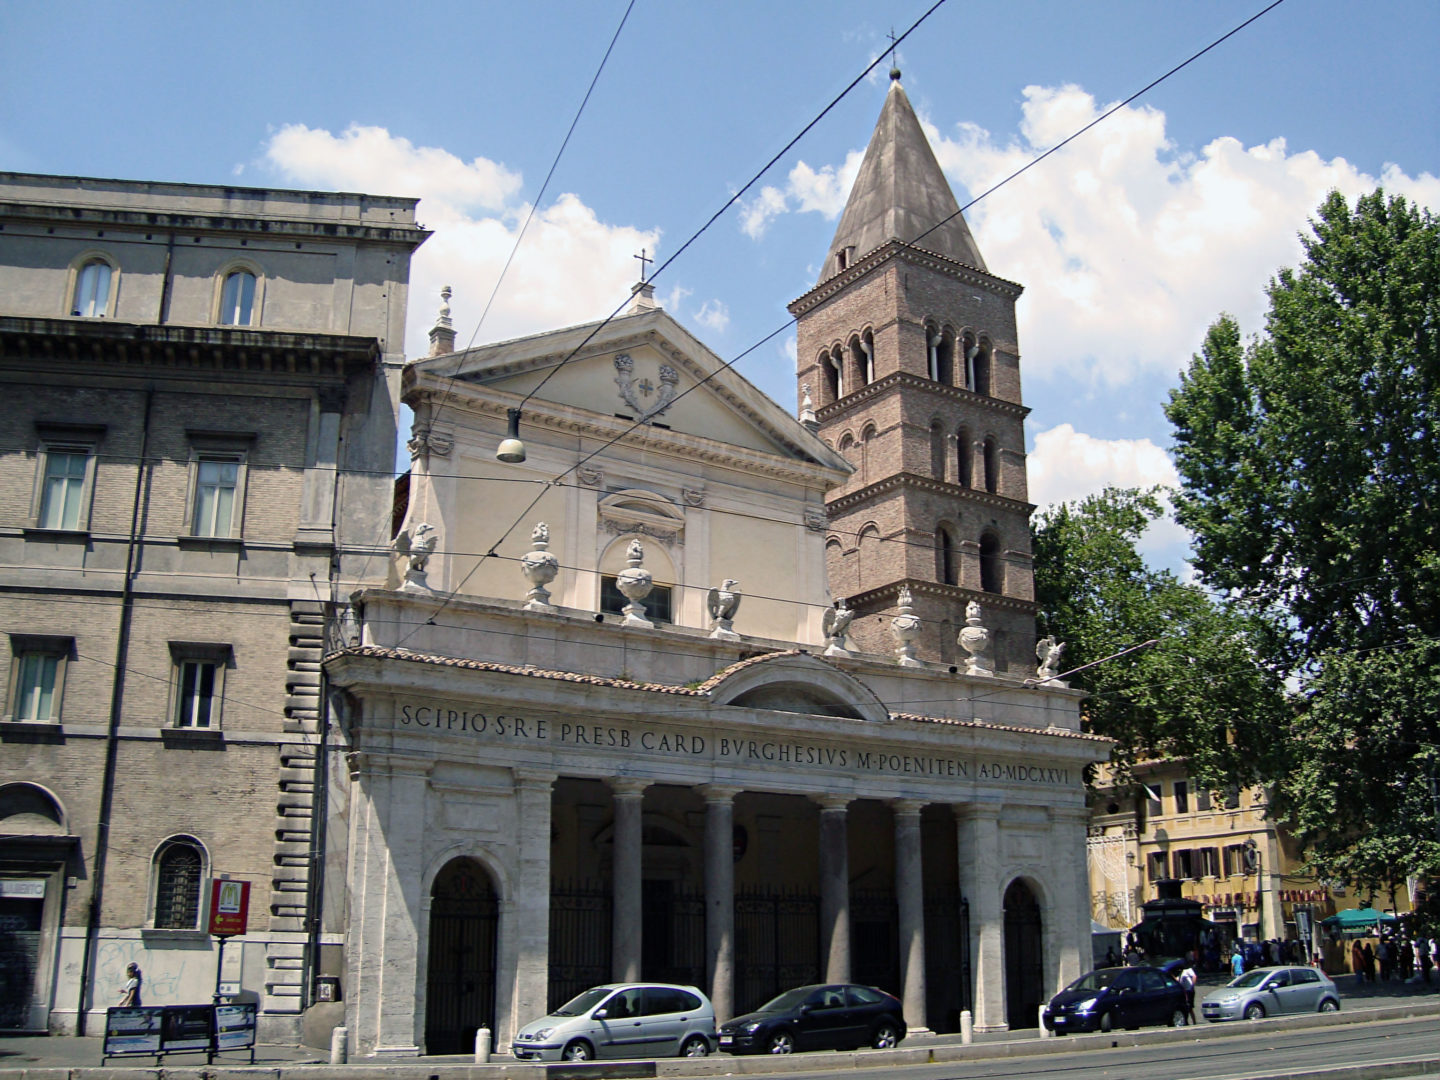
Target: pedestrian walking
[
  {"x": 1367, "y": 959},
  {"x": 1237, "y": 962},
  {"x": 1188, "y": 979},
  {"x": 130, "y": 992}
]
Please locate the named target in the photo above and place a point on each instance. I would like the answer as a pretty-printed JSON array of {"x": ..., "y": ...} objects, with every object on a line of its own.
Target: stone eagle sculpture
[{"x": 723, "y": 603}]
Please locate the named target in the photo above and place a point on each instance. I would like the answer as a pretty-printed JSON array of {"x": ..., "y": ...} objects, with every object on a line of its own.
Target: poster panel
[
  {"x": 132, "y": 1030},
  {"x": 186, "y": 1027},
  {"x": 234, "y": 1026}
]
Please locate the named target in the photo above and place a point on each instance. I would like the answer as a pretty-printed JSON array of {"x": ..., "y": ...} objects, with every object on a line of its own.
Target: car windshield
[
  {"x": 582, "y": 1003},
  {"x": 1250, "y": 978},
  {"x": 790, "y": 999},
  {"x": 1096, "y": 980}
]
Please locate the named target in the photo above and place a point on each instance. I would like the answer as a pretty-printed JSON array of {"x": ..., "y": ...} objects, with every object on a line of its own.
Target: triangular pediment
[{"x": 643, "y": 367}]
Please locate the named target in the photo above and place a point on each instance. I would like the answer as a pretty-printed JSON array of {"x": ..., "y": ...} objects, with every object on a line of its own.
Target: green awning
[{"x": 1357, "y": 919}]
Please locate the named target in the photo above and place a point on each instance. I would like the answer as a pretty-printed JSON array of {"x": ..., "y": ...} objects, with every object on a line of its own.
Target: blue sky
[{"x": 1129, "y": 242}]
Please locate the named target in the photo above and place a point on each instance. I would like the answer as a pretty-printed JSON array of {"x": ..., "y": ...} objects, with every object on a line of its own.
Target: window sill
[
  {"x": 71, "y": 536},
  {"x": 192, "y": 738},
  {"x": 151, "y": 933},
  {"x": 211, "y": 543},
  {"x": 31, "y": 731}
]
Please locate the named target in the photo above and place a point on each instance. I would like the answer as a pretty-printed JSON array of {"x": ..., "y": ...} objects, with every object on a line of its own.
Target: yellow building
[{"x": 1222, "y": 847}]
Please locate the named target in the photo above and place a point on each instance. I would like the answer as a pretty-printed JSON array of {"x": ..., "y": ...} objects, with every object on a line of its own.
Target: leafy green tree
[
  {"x": 1310, "y": 466},
  {"x": 1199, "y": 692}
]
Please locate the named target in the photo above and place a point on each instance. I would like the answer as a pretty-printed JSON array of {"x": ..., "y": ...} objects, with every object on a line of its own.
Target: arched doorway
[
  {"x": 460, "y": 984},
  {"x": 1024, "y": 964}
]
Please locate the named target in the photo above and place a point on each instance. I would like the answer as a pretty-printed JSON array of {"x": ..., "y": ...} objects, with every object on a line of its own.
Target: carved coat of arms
[{"x": 634, "y": 393}]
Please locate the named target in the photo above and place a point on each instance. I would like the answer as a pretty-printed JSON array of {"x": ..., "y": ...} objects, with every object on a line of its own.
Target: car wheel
[
  {"x": 1177, "y": 1018},
  {"x": 1106, "y": 1023},
  {"x": 1329, "y": 1005},
  {"x": 695, "y": 1046},
  {"x": 577, "y": 1050},
  {"x": 886, "y": 1036},
  {"x": 782, "y": 1042},
  {"x": 1254, "y": 1011}
]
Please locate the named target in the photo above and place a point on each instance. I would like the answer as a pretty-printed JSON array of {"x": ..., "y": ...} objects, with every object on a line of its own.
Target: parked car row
[
  {"x": 651, "y": 1020},
  {"x": 1131, "y": 997}
]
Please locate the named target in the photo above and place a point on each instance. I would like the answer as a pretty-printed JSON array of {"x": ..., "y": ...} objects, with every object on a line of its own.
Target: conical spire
[{"x": 900, "y": 194}]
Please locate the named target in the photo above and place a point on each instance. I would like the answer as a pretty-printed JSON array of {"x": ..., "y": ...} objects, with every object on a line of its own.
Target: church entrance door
[
  {"x": 1024, "y": 969},
  {"x": 464, "y": 931}
]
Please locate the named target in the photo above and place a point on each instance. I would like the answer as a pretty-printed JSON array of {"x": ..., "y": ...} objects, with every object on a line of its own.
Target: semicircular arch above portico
[{"x": 799, "y": 683}]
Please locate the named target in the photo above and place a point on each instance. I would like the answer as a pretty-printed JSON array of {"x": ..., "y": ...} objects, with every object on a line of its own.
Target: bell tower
[{"x": 907, "y": 346}]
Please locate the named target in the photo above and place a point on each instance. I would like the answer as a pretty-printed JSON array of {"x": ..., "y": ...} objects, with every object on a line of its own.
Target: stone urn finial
[
  {"x": 807, "y": 408},
  {"x": 976, "y": 640},
  {"x": 722, "y": 604},
  {"x": 539, "y": 566},
  {"x": 836, "y": 625},
  {"x": 906, "y": 628},
  {"x": 635, "y": 582}
]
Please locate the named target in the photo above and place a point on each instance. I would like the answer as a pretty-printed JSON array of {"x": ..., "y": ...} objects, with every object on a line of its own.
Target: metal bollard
[
  {"x": 967, "y": 1027},
  {"x": 482, "y": 1046},
  {"x": 338, "y": 1039},
  {"x": 1045, "y": 1032}
]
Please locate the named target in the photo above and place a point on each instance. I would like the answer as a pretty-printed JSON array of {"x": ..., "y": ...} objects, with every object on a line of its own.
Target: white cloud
[
  {"x": 1129, "y": 248},
  {"x": 822, "y": 190},
  {"x": 571, "y": 268},
  {"x": 713, "y": 315},
  {"x": 1067, "y": 465}
]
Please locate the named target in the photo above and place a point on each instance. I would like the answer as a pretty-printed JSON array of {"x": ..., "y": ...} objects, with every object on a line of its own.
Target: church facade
[{"x": 674, "y": 691}]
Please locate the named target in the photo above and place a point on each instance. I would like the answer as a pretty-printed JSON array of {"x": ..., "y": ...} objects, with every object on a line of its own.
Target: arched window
[
  {"x": 992, "y": 466},
  {"x": 947, "y": 569},
  {"x": 867, "y": 451},
  {"x": 836, "y": 363},
  {"x": 831, "y": 375},
  {"x": 871, "y": 568},
  {"x": 945, "y": 358},
  {"x": 964, "y": 457},
  {"x": 981, "y": 385},
  {"x": 92, "y": 290},
  {"x": 863, "y": 356},
  {"x": 991, "y": 574},
  {"x": 237, "y": 299},
  {"x": 932, "y": 350},
  {"x": 968, "y": 350},
  {"x": 937, "y": 450},
  {"x": 179, "y": 865}
]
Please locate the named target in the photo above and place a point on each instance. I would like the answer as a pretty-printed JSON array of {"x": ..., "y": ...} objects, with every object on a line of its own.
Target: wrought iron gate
[
  {"x": 460, "y": 981},
  {"x": 579, "y": 938},
  {"x": 673, "y": 941},
  {"x": 948, "y": 981},
  {"x": 875, "y": 940},
  {"x": 1024, "y": 970},
  {"x": 777, "y": 945}
]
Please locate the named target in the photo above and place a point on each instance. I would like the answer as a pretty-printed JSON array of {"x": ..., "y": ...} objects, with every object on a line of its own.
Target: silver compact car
[
  {"x": 1270, "y": 991},
  {"x": 622, "y": 1020}
]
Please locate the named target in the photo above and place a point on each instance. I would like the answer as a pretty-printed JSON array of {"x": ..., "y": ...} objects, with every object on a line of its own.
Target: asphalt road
[{"x": 1243, "y": 1056}]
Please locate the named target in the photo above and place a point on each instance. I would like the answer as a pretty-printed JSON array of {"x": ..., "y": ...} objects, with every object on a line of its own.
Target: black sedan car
[
  {"x": 838, "y": 1016},
  {"x": 1118, "y": 997}
]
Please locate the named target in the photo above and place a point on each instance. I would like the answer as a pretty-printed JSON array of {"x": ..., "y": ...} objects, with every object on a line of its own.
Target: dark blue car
[{"x": 1118, "y": 997}]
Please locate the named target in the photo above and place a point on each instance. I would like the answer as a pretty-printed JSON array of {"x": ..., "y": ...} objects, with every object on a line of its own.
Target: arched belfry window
[
  {"x": 947, "y": 562},
  {"x": 945, "y": 357},
  {"x": 937, "y": 450},
  {"x": 867, "y": 452},
  {"x": 863, "y": 356},
  {"x": 964, "y": 457},
  {"x": 992, "y": 466},
  {"x": 991, "y": 573},
  {"x": 835, "y": 362},
  {"x": 831, "y": 375},
  {"x": 982, "y": 367}
]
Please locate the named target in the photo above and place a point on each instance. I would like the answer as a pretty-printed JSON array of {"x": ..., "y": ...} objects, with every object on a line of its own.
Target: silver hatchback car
[
  {"x": 1270, "y": 991},
  {"x": 622, "y": 1020}
]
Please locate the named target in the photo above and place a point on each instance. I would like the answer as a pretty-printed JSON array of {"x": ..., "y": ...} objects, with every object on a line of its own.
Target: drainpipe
[{"x": 112, "y": 735}]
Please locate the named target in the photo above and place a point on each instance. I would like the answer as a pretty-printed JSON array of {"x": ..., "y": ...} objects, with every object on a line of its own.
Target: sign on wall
[{"x": 229, "y": 905}]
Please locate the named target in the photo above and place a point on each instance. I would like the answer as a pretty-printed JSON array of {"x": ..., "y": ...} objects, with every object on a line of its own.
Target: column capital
[
  {"x": 907, "y": 807},
  {"x": 534, "y": 779},
  {"x": 718, "y": 794},
  {"x": 833, "y": 803},
  {"x": 627, "y": 787},
  {"x": 973, "y": 811}
]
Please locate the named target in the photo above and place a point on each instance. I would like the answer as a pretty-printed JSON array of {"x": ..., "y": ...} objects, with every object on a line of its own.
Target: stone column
[
  {"x": 910, "y": 898},
  {"x": 980, "y": 882},
  {"x": 834, "y": 887},
  {"x": 532, "y": 901},
  {"x": 626, "y": 932},
  {"x": 1071, "y": 904},
  {"x": 720, "y": 898}
]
